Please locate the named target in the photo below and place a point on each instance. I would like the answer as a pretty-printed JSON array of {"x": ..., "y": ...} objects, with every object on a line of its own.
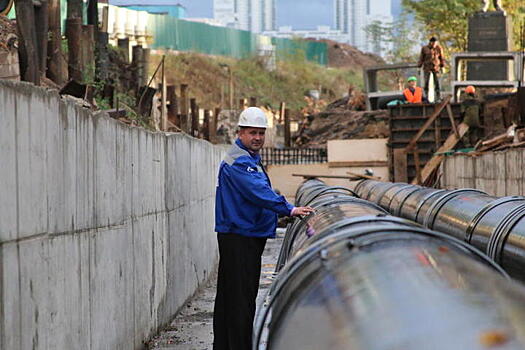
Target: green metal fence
[
  {"x": 172, "y": 33},
  {"x": 312, "y": 50}
]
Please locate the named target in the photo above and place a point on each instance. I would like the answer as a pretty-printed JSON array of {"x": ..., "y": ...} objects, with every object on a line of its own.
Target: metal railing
[{"x": 293, "y": 155}]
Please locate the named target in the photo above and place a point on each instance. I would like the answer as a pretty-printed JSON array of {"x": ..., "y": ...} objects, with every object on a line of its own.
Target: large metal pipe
[
  {"x": 355, "y": 278},
  {"x": 491, "y": 224}
]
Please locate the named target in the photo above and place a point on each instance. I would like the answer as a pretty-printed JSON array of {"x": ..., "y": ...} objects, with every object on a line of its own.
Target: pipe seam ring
[
  {"x": 328, "y": 189},
  {"x": 402, "y": 203},
  {"x": 487, "y": 208},
  {"x": 385, "y": 190},
  {"x": 502, "y": 231},
  {"x": 441, "y": 201},
  {"x": 404, "y": 187},
  {"x": 424, "y": 200}
]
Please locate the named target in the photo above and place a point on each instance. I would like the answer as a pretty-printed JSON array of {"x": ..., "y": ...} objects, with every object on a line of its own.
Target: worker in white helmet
[{"x": 246, "y": 212}]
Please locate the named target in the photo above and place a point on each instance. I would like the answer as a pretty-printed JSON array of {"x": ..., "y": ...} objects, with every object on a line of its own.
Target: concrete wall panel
[
  {"x": 31, "y": 163},
  {"x": 69, "y": 287},
  {"x": 34, "y": 283},
  {"x": 10, "y": 319},
  {"x": 111, "y": 288},
  {"x": 83, "y": 169},
  {"x": 8, "y": 180},
  {"x": 105, "y": 230}
]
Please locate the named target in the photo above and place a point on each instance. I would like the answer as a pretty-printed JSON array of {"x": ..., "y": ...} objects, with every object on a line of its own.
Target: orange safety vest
[{"x": 417, "y": 97}]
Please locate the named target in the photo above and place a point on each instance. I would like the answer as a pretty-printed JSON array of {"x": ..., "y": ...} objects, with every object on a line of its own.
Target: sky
[{"x": 309, "y": 15}]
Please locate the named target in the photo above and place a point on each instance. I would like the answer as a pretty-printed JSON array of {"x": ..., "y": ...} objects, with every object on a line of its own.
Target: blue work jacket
[{"x": 245, "y": 203}]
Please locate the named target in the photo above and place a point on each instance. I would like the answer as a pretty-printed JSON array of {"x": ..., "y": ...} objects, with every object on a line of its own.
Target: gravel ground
[{"x": 192, "y": 328}]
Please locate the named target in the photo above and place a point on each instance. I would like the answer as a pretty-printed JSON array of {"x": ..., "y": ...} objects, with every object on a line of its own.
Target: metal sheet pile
[{"x": 353, "y": 277}]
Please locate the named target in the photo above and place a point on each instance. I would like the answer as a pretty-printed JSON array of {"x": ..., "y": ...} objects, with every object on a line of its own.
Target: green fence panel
[
  {"x": 171, "y": 33},
  {"x": 312, "y": 51}
]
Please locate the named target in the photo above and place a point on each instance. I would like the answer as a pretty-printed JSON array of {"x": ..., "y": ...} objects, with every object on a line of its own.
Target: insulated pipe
[
  {"x": 491, "y": 224},
  {"x": 355, "y": 278}
]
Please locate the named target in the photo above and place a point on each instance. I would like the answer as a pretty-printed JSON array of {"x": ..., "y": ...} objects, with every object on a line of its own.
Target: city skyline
[
  {"x": 253, "y": 15},
  {"x": 309, "y": 15},
  {"x": 351, "y": 17}
]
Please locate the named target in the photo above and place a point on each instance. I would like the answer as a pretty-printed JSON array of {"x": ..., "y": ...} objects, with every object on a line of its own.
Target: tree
[
  {"x": 406, "y": 35},
  {"x": 400, "y": 38},
  {"x": 448, "y": 19},
  {"x": 377, "y": 34},
  {"x": 33, "y": 29},
  {"x": 56, "y": 62}
]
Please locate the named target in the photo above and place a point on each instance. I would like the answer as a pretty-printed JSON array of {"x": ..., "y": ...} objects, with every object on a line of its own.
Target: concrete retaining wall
[
  {"x": 105, "y": 230},
  {"x": 497, "y": 173}
]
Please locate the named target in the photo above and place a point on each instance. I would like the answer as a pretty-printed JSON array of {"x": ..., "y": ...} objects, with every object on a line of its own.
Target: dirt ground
[{"x": 192, "y": 328}]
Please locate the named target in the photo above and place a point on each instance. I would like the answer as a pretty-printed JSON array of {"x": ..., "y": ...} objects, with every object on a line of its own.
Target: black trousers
[
  {"x": 237, "y": 286},
  {"x": 437, "y": 89}
]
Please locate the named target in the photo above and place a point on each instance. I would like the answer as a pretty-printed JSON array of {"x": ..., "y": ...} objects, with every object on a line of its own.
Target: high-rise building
[
  {"x": 352, "y": 16},
  {"x": 224, "y": 12},
  {"x": 253, "y": 15}
]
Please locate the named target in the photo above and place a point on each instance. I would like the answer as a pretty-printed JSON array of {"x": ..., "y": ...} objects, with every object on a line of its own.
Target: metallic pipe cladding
[
  {"x": 491, "y": 224},
  {"x": 353, "y": 277}
]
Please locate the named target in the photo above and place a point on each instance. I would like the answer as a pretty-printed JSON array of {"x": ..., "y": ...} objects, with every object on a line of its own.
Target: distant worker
[
  {"x": 432, "y": 61},
  {"x": 246, "y": 210},
  {"x": 413, "y": 93},
  {"x": 470, "y": 112},
  {"x": 497, "y": 5}
]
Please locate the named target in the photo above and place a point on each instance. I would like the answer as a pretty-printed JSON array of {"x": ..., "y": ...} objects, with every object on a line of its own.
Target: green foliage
[
  {"x": 402, "y": 37},
  {"x": 208, "y": 79},
  {"x": 378, "y": 34},
  {"x": 448, "y": 19}
]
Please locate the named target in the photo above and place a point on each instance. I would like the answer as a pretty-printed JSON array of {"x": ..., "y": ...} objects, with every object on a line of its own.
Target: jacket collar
[{"x": 255, "y": 156}]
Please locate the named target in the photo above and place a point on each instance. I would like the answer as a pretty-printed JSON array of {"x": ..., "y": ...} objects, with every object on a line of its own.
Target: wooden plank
[
  {"x": 452, "y": 121},
  {"x": 418, "y": 167},
  {"x": 500, "y": 179},
  {"x": 287, "y": 131},
  {"x": 163, "y": 98},
  {"x": 358, "y": 163},
  {"x": 468, "y": 172},
  {"x": 363, "y": 176},
  {"x": 514, "y": 172},
  {"x": 449, "y": 144},
  {"x": 311, "y": 176},
  {"x": 282, "y": 109},
  {"x": 428, "y": 123},
  {"x": 400, "y": 165},
  {"x": 446, "y": 170}
]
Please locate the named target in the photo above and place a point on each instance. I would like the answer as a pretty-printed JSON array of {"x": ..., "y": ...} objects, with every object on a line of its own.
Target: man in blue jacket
[{"x": 246, "y": 212}]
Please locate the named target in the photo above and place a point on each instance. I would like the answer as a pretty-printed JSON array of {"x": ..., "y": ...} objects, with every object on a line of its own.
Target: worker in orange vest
[{"x": 413, "y": 93}]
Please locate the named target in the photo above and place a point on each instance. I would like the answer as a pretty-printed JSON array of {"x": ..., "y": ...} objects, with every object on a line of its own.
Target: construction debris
[
  {"x": 342, "y": 120},
  {"x": 8, "y": 34},
  {"x": 512, "y": 138}
]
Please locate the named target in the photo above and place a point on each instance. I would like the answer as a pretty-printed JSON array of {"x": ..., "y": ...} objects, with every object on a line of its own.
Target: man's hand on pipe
[{"x": 298, "y": 211}]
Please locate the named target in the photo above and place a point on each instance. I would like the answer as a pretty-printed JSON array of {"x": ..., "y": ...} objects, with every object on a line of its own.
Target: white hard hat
[{"x": 253, "y": 117}]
